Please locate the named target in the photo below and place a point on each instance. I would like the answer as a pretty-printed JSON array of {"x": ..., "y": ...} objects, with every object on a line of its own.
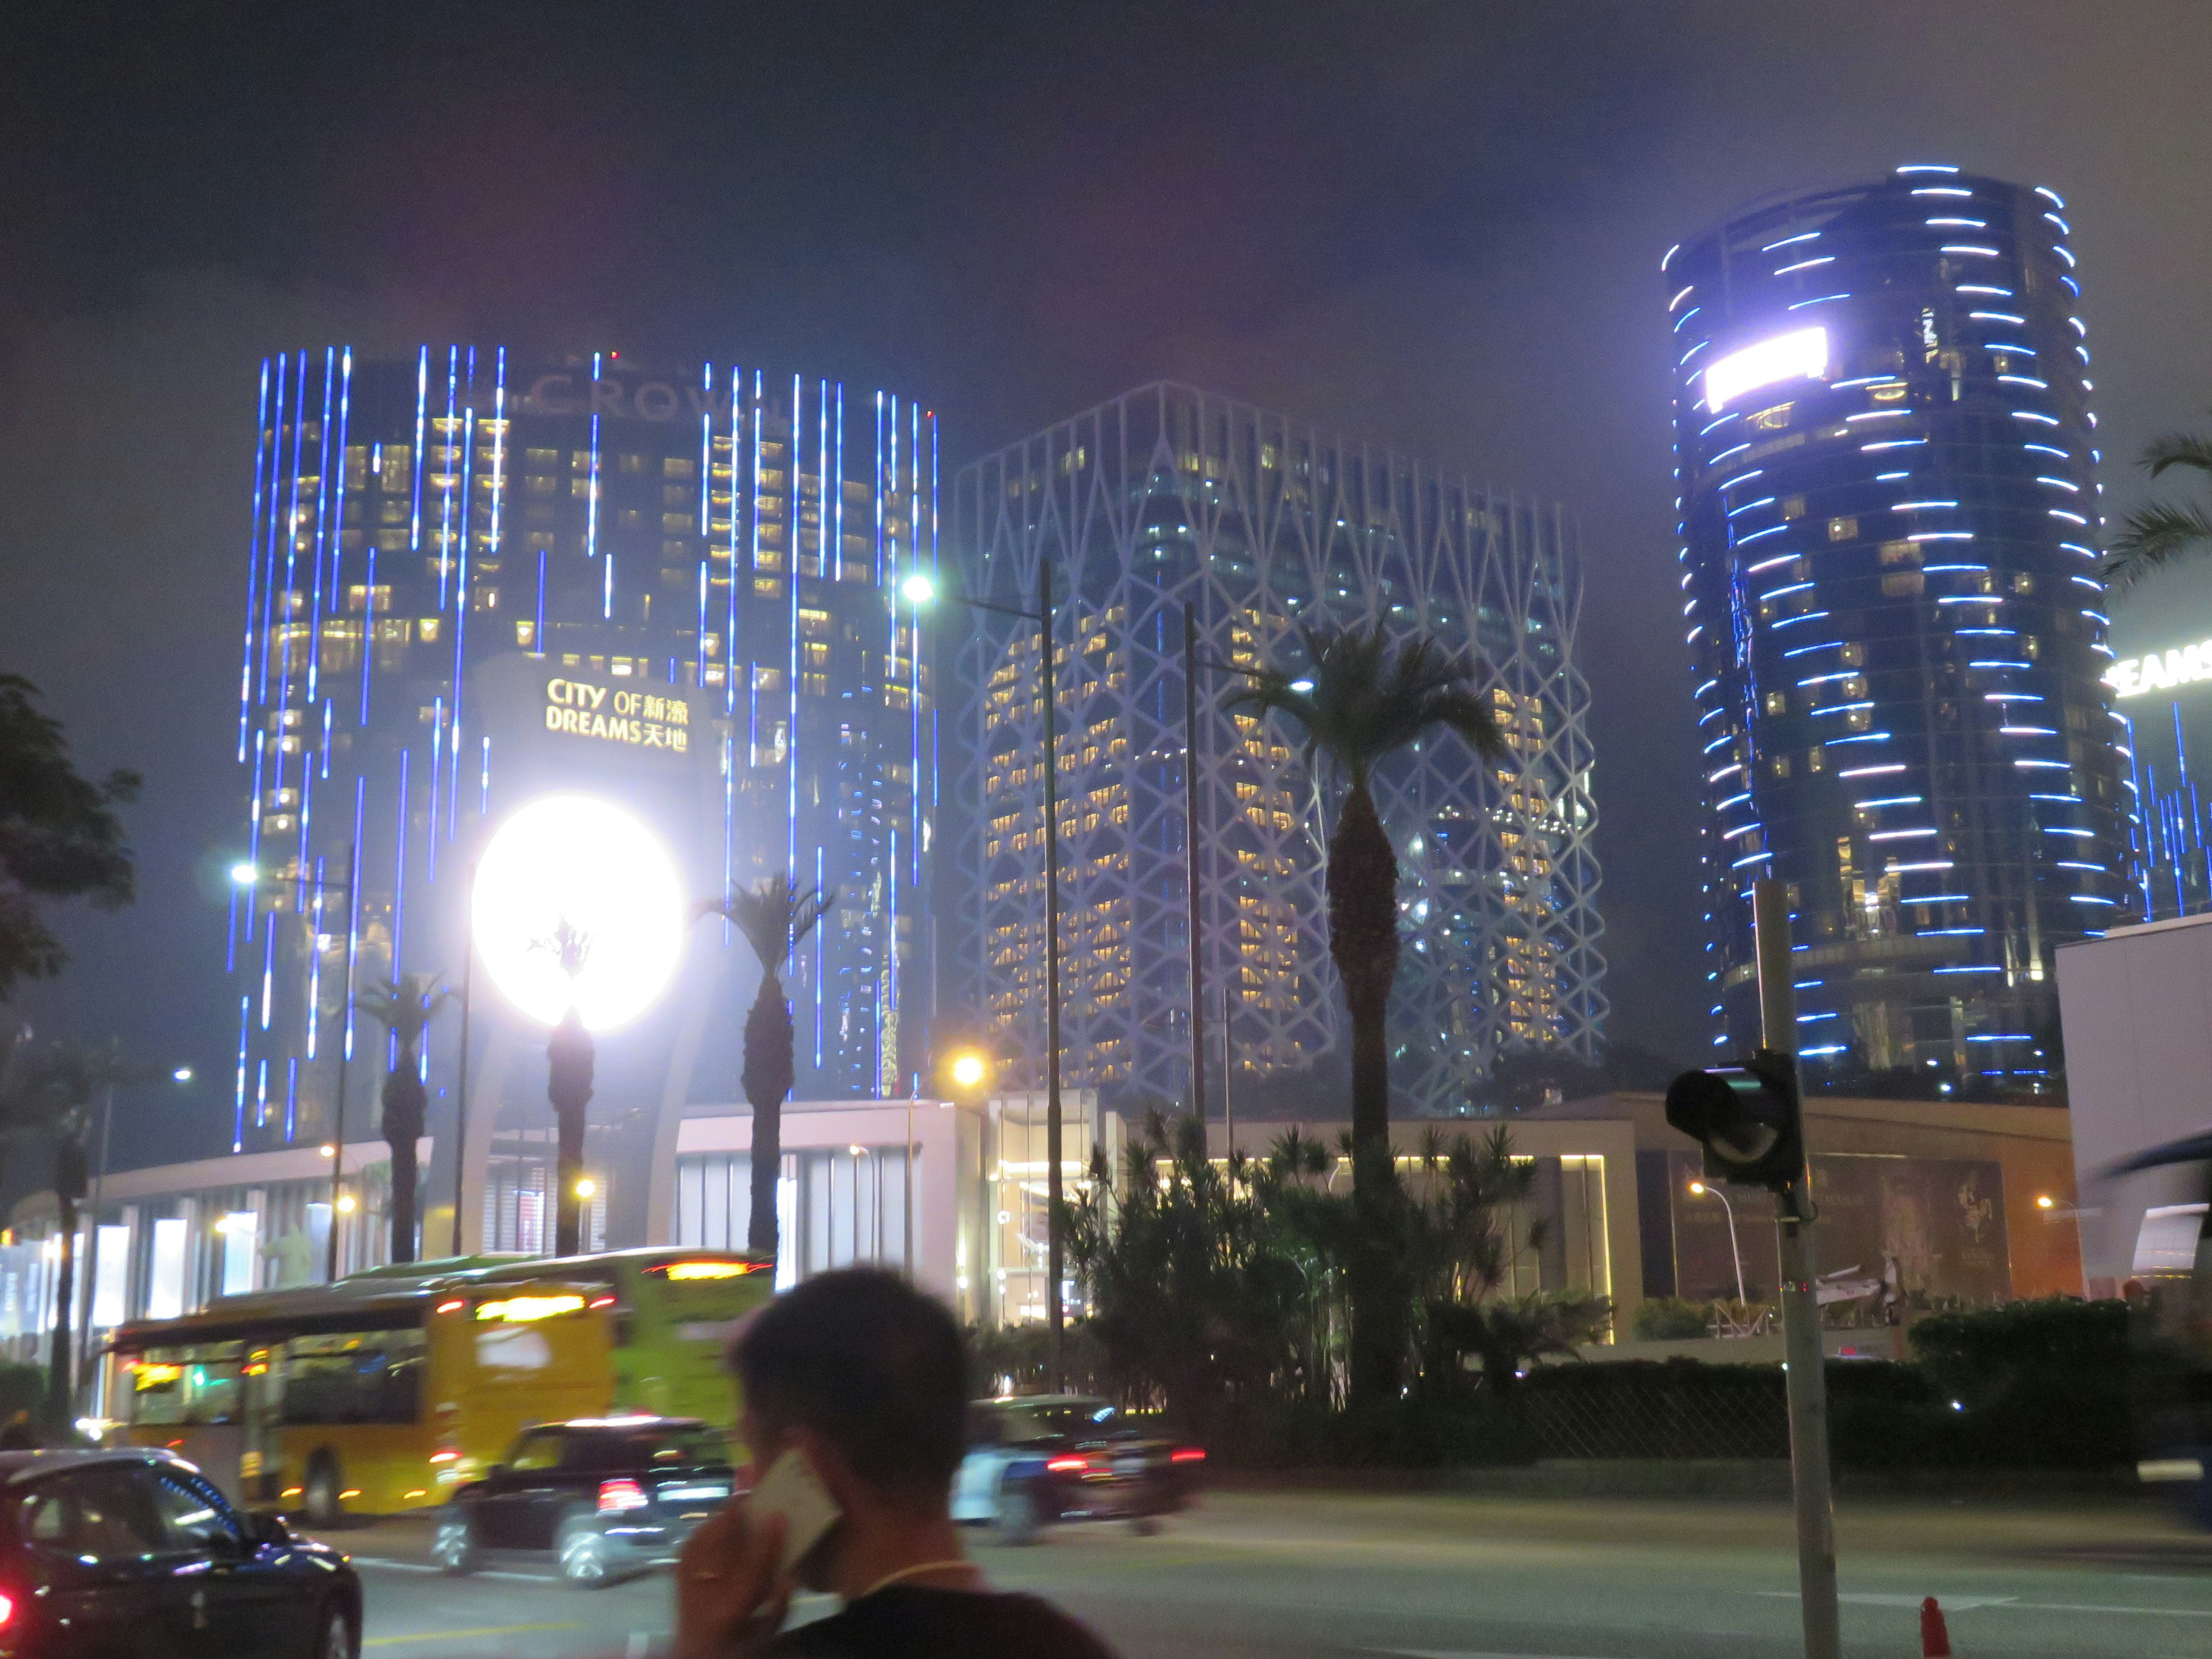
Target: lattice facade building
[{"x": 1171, "y": 496}]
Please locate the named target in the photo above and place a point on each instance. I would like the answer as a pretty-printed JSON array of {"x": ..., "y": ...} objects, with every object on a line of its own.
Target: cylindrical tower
[{"x": 1885, "y": 458}]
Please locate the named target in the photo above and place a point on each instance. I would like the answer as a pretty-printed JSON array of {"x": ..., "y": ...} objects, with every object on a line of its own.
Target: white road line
[
  {"x": 1962, "y": 1603},
  {"x": 482, "y": 1572}
]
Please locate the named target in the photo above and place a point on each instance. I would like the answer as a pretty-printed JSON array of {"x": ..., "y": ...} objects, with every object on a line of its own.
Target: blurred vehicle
[
  {"x": 1039, "y": 1459},
  {"x": 125, "y": 1552},
  {"x": 387, "y": 1390},
  {"x": 606, "y": 1496}
]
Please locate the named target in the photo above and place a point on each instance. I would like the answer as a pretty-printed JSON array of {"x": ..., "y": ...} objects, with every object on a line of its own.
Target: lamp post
[
  {"x": 920, "y": 590},
  {"x": 1698, "y": 1188},
  {"x": 247, "y": 875}
]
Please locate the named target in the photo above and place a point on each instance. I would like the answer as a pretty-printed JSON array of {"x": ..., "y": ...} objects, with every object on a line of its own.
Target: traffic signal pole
[{"x": 1800, "y": 1313}]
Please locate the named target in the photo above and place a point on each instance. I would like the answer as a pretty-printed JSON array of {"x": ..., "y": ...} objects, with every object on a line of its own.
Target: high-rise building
[
  {"x": 473, "y": 581},
  {"x": 1171, "y": 497},
  {"x": 2166, "y": 735},
  {"x": 1886, "y": 462}
]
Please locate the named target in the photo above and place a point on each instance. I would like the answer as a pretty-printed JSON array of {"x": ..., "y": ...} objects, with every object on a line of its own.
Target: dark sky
[{"x": 1434, "y": 224}]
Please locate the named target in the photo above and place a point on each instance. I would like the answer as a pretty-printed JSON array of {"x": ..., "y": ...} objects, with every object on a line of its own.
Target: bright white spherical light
[{"x": 572, "y": 859}]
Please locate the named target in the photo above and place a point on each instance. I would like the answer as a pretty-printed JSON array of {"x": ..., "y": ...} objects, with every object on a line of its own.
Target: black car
[
  {"x": 605, "y": 1496},
  {"x": 133, "y": 1554},
  {"x": 1036, "y": 1459}
]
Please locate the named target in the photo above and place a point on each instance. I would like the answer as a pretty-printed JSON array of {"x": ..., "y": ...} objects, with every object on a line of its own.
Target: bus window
[
  {"x": 376, "y": 1377},
  {"x": 178, "y": 1386}
]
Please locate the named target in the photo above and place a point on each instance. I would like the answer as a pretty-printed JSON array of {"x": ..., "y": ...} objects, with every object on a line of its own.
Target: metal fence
[{"x": 1623, "y": 1412}]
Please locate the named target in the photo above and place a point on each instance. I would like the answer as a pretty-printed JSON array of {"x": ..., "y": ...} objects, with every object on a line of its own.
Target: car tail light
[
  {"x": 622, "y": 1495},
  {"x": 1187, "y": 1455},
  {"x": 444, "y": 1454},
  {"x": 7, "y": 1611},
  {"x": 1065, "y": 1465}
]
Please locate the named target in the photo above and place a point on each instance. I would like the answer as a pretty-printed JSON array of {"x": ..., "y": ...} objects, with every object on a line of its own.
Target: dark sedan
[
  {"x": 1036, "y": 1459},
  {"x": 132, "y": 1554},
  {"x": 605, "y": 1496}
]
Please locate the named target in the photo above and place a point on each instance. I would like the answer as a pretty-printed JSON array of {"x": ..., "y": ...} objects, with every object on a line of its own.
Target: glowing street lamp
[
  {"x": 968, "y": 1069},
  {"x": 580, "y": 916}
]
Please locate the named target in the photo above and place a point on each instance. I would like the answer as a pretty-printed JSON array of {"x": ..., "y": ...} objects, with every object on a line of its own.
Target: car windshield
[{"x": 664, "y": 1448}]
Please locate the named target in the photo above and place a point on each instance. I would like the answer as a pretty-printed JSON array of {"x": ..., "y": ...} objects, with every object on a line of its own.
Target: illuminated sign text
[
  {"x": 2160, "y": 670},
  {"x": 617, "y": 714}
]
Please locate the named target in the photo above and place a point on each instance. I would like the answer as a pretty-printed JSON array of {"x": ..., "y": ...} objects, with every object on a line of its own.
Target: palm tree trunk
[
  {"x": 769, "y": 1071},
  {"x": 571, "y": 1059},
  {"x": 404, "y": 1106},
  {"x": 1363, "y": 941},
  {"x": 70, "y": 1174}
]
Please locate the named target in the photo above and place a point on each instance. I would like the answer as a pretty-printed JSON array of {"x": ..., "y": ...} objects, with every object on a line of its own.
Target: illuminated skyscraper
[
  {"x": 1170, "y": 496},
  {"x": 1885, "y": 462},
  {"x": 473, "y": 581}
]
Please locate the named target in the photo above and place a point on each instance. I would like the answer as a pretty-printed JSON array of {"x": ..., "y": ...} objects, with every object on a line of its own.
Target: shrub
[{"x": 1670, "y": 1319}]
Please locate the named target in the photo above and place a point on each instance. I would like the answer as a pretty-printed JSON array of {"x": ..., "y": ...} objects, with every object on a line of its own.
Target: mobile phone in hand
[{"x": 792, "y": 1490}]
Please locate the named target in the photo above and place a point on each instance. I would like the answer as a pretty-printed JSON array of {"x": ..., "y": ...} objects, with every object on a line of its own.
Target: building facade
[
  {"x": 1171, "y": 498},
  {"x": 473, "y": 581},
  {"x": 2163, "y": 693},
  {"x": 1886, "y": 461}
]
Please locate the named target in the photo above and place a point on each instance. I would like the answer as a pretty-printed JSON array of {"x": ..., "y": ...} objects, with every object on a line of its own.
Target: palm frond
[
  {"x": 2190, "y": 449},
  {"x": 775, "y": 916},
  {"x": 2153, "y": 538},
  {"x": 1360, "y": 699},
  {"x": 406, "y": 1006}
]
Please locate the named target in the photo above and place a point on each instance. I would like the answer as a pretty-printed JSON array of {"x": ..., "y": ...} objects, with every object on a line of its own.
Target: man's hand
[{"x": 730, "y": 1596}]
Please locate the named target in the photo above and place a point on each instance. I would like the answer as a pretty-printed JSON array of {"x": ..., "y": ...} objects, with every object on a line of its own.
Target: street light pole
[
  {"x": 1700, "y": 1189},
  {"x": 345, "y": 1057},
  {"x": 1054, "y": 1313},
  {"x": 461, "y": 1101},
  {"x": 920, "y": 589},
  {"x": 1190, "y": 870}
]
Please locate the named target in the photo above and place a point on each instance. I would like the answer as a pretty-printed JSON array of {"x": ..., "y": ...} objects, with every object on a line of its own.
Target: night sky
[{"x": 1437, "y": 226}]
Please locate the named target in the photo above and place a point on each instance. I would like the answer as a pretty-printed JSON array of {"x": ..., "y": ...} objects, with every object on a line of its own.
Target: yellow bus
[{"x": 381, "y": 1392}]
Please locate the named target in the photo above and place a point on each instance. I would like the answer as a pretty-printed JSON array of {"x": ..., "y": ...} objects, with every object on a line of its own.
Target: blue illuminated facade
[
  {"x": 1886, "y": 464},
  {"x": 442, "y": 540}
]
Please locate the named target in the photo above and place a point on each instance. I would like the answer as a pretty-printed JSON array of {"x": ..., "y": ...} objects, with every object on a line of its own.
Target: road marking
[
  {"x": 1962, "y": 1603},
  {"x": 466, "y": 1635},
  {"x": 1876, "y": 1599},
  {"x": 482, "y": 1572}
]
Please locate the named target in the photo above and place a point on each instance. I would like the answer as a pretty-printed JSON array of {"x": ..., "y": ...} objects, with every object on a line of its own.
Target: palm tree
[
  {"x": 1359, "y": 702},
  {"x": 2163, "y": 532},
  {"x": 405, "y": 1008},
  {"x": 571, "y": 1059},
  {"x": 50, "y": 1096},
  {"x": 773, "y": 917}
]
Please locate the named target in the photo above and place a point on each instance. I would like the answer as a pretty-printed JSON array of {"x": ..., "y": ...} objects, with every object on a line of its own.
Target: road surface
[{"x": 1455, "y": 1578}]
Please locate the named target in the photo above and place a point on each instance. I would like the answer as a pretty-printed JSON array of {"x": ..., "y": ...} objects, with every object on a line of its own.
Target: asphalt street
[{"x": 1455, "y": 1578}]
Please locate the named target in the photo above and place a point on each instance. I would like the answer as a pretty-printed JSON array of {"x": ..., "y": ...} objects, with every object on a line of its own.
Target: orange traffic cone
[{"x": 1935, "y": 1639}]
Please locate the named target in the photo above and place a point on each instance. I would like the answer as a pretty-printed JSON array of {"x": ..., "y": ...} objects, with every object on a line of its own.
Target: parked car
[
  {"x": 1039, "y": 1459},
  {"x": 606, "y": 1496},
  {"x": 133, "y": 1552}
]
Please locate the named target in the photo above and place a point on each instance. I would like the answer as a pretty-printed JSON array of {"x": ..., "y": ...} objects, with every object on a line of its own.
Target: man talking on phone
[{"x": 855, "y": 1410}]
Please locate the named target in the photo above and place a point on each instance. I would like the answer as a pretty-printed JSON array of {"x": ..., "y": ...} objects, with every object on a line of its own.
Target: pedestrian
[{"x": 868, "y": 1378}]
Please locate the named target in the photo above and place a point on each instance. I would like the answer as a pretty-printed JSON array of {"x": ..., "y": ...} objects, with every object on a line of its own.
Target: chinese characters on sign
[{"x": 618, "y": 716}]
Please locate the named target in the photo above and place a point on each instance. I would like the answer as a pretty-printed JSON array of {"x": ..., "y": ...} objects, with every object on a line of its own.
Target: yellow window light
[
  {"x": 518, "y": 1309},
  {"x": 681, "y": 1271}
]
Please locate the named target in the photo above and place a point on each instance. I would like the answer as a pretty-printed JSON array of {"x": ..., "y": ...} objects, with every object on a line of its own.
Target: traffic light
[{"x": 1747, "y": 1117}]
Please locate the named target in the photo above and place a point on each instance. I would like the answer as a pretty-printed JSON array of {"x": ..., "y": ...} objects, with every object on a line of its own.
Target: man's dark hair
[{"x": 873, "y": 1366}]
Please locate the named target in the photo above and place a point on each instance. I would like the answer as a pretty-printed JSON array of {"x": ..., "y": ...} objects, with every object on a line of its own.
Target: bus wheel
[
  {"x": 453, "y": 1545},
  {"x": 324, "y": 1507},
  {"x": 583, "y": 1552}
]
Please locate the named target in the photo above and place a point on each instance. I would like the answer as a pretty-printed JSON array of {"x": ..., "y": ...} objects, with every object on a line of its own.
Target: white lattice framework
[{"x": 1171, "y": 496}]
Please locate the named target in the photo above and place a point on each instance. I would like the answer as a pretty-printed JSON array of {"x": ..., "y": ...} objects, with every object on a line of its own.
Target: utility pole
[
  {"x": 461, "y": 1097},
  {"x": 1190, "y": 871},
  {"x": 345, "y": 1052},
  {"x": 1054, "y": 1313},
  {"x": 1801, "y": 1312}
]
